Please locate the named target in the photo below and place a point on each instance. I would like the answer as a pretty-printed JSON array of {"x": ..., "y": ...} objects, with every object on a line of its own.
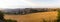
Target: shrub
[
  {"x": 9, "y": 20},
  {"x": 58, "y": 20}
]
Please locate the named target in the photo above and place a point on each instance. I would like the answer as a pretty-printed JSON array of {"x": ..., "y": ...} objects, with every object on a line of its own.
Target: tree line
[{"x": 29, "y": 10}]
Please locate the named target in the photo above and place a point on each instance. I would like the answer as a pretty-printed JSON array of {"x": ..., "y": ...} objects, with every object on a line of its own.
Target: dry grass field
[{"x": 34, "y": 17}]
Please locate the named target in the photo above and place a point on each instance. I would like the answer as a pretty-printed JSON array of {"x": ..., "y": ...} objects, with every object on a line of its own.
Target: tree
[
  {"x": 33, "y": 10},
  {"x": 2, "y": 16}
]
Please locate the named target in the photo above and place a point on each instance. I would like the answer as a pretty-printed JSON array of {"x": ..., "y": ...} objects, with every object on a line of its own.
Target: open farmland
[{"x": 34, "y": 17}]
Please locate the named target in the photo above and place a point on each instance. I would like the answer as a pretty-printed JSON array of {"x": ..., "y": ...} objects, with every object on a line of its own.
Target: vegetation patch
[
  {"x": 58, "y": 20},
  {"x": 9, "y": 20}
]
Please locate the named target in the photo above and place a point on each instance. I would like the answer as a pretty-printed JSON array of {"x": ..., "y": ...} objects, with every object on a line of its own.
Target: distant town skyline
[{"x": 29, "y": 3}]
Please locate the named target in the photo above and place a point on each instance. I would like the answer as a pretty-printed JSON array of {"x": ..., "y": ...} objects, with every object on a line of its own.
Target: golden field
[{"x": 34, "y": 17}]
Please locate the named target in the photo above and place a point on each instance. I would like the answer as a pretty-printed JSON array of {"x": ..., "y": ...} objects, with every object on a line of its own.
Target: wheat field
[{"x": 34, "y": 17}]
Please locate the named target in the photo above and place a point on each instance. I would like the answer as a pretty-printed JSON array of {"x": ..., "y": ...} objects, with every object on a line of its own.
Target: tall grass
[{"x": 44, "y": 20}]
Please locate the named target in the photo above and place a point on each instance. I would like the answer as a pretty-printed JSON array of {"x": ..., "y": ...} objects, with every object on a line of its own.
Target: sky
[{"x": 29, "y": 3}]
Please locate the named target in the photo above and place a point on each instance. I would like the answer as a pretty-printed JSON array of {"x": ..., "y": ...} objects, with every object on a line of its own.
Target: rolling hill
[{"x": 34, "y": 17}]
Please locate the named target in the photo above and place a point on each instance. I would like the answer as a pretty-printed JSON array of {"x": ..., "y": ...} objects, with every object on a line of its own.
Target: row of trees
[{"x": 27, "y": 11}]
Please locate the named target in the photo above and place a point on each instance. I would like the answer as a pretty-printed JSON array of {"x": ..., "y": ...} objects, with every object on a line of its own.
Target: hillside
[{"x": 34, "y": 17}]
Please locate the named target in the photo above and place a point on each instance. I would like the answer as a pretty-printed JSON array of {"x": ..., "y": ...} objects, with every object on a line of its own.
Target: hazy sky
[{"x": 29, "y": 3}]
